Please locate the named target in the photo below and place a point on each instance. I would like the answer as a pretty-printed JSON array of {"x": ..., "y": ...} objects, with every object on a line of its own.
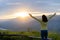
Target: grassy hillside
[{"x": 25, "y": 35}]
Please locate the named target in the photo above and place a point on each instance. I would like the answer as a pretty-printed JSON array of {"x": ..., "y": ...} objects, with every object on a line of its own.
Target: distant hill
[{"x": 17, "y": 25}]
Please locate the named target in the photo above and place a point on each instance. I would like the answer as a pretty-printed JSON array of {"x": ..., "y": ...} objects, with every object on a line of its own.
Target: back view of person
[{"x": 43, "y": 23}]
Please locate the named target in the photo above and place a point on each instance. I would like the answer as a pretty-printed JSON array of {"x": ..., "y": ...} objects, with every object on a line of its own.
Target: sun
[{"x": 21, "y": 14}]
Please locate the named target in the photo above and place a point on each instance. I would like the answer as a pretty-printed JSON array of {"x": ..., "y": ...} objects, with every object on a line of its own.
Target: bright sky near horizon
[{"x": 8, "y": 8}]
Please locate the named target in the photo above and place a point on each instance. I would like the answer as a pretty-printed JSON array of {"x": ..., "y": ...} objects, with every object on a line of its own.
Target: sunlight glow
[{"x": 21, "y": 14}]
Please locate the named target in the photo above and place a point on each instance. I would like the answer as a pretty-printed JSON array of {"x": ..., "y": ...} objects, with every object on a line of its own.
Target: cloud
[
  {"x": 9, "y": 6},
  {"x": 14, "y": 3}
]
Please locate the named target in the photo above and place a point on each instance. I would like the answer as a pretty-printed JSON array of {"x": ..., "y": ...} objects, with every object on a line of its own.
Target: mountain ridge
[{"x": 17, "y": 25}]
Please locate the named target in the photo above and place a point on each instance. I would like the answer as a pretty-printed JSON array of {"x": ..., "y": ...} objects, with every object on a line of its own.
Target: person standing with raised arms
[{"x": 43, "y": 22}]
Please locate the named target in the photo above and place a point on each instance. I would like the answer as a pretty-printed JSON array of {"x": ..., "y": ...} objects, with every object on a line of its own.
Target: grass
[{"x": 54, "y": 36}]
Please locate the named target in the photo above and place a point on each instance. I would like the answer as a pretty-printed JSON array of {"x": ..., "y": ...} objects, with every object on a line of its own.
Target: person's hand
[
  {"x": 30, "y": 14},
  {"x": 51, "y": 16}
]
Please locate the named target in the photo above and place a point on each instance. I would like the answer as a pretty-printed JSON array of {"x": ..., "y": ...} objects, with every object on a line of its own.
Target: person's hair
[{"x": 44, "y": 18}]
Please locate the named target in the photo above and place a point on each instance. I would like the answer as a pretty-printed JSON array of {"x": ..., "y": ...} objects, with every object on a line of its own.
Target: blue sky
[{"x": 43, "y": 6}]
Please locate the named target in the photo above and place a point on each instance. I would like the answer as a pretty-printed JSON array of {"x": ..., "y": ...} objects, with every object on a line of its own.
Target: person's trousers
[{"x": 44, "y": 34}]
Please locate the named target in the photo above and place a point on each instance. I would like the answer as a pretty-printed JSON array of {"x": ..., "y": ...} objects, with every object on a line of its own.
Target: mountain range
[{"x": 17, "y": 24}]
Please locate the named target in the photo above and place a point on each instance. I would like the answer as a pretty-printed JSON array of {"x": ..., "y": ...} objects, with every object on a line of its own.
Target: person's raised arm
[
  {"x": 34, "y": 18},
  {"x": 51, "y": 16}
]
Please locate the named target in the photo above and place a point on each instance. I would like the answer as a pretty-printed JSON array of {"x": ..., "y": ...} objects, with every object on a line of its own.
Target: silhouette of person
[{"x": 43, "y": 22}]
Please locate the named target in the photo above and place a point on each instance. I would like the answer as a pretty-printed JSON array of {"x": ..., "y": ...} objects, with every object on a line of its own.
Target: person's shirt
[{"x": 43, "y": 25}]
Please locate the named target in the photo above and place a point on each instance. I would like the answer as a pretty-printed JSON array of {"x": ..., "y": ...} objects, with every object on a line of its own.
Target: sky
[{"x": 10, "y": 7}]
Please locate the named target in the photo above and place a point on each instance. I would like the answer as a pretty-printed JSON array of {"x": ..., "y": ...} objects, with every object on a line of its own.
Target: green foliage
[{"x": 54, "y": 36}]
